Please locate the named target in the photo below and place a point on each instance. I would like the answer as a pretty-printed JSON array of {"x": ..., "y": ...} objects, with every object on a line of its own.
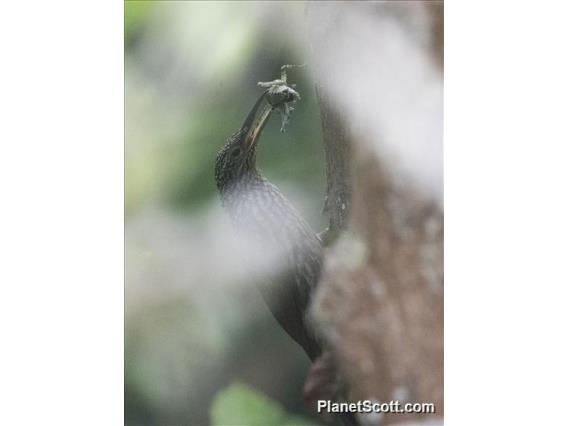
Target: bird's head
[{"x": 237, "y": 159}]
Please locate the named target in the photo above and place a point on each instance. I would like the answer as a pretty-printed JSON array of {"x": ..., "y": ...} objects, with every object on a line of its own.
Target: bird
[{"x": 259, "y": 210}]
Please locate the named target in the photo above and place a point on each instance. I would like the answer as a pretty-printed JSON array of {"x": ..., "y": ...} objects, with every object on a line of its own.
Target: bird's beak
[
  {"x": 254, "y": 132},
  {"x": 255, "y": 122}
]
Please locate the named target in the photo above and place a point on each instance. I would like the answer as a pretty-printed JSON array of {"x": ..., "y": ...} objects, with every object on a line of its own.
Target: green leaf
[{"x": 240, "y": 405}]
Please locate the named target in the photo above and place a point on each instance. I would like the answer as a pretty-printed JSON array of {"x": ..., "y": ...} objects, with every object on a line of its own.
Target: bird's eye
[{"x": 236, "y": 152}]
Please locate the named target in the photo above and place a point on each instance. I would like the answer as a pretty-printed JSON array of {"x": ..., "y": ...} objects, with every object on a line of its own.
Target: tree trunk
[{"x": 380, "y": 298}]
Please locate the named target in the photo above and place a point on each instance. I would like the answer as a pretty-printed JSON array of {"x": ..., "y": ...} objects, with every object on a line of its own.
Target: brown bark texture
[{"x": 380, "y": 299}]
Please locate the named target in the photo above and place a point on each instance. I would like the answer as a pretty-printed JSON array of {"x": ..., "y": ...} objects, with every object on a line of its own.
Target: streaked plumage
[{"x": 259, "y": 210}]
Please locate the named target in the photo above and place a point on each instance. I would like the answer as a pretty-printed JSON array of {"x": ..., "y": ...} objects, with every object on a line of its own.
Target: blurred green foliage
[
  {"x": 191, "y": 73},
  {"x": 240, "y": 405},
  {"x": 135, "y": 15}
]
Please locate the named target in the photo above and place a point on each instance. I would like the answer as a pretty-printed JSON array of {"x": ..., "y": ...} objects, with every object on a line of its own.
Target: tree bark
[
  {"x": 380, "y": 299},
  {"x": 337, "y": 159}
]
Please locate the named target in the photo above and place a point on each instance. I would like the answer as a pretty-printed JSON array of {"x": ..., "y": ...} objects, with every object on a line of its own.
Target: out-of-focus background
[
  {"x": 198, "y": 339},
  {"x": 201, "y": 348}
]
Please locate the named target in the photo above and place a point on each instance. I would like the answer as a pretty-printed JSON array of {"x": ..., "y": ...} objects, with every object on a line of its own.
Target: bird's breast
[
  {"x": 274, "y": 237},
  {"x": 262, "y": 213}
]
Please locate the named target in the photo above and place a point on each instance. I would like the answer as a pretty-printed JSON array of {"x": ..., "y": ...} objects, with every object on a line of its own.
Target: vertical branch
[
  {"x": 321, "y": 18},
  {"x": 337, "y": 165}
]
